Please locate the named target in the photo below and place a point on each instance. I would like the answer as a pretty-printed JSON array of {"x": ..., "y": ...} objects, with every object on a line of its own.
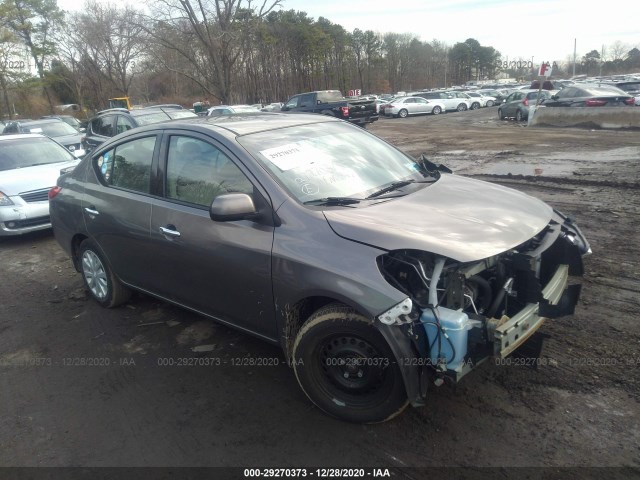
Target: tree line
[{"x": 221, "y": 51}]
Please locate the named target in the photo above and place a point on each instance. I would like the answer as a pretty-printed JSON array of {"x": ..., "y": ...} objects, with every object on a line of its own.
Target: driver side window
[{"x": 197, "y": 172}]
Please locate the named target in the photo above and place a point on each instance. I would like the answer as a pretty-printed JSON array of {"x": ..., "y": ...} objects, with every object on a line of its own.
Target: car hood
[
  {"x": 457, "y": 217},
  {"x": 13, "y": 182}
]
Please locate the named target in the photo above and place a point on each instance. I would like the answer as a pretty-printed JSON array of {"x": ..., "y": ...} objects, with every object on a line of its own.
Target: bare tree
[{"x": 209, "y": 34}]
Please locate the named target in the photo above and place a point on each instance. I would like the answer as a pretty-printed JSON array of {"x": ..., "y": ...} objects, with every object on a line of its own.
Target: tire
[
  {"x": 500, "y": 114},
  {"x": 436, "y": 110},
  {"x": 98, "y": 278},
  {"x": 519, "y": 116},
  {"x": 462, "y": 107},
  {"x": 324, "y": 352},
  {"x": 403, "y": 113},
  {"x": 475, "y": 106},
  {"x": 489, "y": 103}
]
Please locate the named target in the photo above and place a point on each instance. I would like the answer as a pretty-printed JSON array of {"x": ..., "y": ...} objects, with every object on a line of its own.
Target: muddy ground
[{"x": 579, "y": 407}]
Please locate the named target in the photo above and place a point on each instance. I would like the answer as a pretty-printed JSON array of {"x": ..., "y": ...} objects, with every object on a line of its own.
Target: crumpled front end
[{"x": 458, "y": 315}]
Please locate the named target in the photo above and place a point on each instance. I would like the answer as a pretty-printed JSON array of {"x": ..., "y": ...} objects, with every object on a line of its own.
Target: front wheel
[
  {"x": 98, "y": 278},
  {"x": 436, "y": 110},
  {"x": 345, "y": 367},
  {"x": 500, "y": 114},
  {"x": 490, "y": 103},
  {"x": 403, "y": 113},
  {"x": 462, "y": 107},
  {"x": 475, "y": 106}
]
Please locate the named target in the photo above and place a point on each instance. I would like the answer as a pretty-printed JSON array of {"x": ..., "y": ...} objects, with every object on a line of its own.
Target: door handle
[
  {"x": 172, "y": 232},
  {"x": 92, "y": 210}
]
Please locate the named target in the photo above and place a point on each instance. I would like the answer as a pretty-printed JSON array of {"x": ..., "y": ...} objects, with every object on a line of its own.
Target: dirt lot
[{"x": 579, "y": 407}]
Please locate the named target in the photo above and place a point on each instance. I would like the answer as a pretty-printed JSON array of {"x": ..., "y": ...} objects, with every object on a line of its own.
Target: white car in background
[
  {"x": 485, "y": 100},
  {"x": 452, "y": 100},
  {"x": 404, "y": 106},
  {"x": 30, "y": 165}
]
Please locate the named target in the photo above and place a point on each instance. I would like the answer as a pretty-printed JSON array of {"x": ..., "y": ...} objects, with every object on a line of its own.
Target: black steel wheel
[
  {"x": 345, "y": 366},
  {"x": 98, "y": 278}
]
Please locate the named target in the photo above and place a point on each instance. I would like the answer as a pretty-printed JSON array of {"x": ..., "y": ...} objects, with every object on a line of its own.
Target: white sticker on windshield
[{"x": 291, "y": 155}]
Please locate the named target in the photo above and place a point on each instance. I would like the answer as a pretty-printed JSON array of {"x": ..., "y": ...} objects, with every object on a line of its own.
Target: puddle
[{"x": 527, "y": 169}]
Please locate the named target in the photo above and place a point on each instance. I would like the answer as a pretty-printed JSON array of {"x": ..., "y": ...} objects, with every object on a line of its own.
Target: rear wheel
[
  {"x": 436, "y": 110},
  {"x": 345, "y": 367},
  {"x": 519, "y": 116},
  {"x": 403, "y": 113},
  {"x": 102, "y": 284},
  {"x": 475, "y": 106},
  {"x": 462, "y": 107},
  {"x": 500, "y": 114}
]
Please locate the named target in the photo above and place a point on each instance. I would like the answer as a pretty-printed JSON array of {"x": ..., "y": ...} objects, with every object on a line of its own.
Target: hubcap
[
  {"x": 352, "y": 365},
  {"x": 95, "y": 274}
]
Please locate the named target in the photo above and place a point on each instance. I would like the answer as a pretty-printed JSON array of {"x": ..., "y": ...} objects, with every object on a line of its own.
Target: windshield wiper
[
  {"x": 333, "y": 201},
  {"x": 391, "y": 188}
]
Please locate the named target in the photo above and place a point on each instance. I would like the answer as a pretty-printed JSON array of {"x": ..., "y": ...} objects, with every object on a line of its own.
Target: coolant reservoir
[{"x": 456, "y": 325}]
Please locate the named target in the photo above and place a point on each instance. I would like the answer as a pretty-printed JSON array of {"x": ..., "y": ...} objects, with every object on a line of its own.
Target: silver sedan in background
[{"x": 404, "y": 106}]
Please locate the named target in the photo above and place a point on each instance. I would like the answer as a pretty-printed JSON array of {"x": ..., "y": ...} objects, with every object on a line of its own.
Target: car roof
[
  {"x": 17, "y": 136},
  {"x": 40, "y": 121},
  {"x": 242, "y": 124}
]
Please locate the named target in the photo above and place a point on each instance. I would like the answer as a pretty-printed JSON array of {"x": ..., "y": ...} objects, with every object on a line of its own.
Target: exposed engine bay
[{"x": 459, "y": 314}]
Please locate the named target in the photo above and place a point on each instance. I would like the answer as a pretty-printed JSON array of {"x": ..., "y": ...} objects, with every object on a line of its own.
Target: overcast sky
[{"x": 542, "y": 29}]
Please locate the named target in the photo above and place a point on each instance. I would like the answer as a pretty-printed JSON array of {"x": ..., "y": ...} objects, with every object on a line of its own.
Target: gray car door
[
  {"x": 117, "y": 204},
  {"x": 219, "y": 268}
]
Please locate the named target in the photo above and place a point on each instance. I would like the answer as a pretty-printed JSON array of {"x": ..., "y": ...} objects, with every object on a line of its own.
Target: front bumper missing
[{"x": 511, "y": 333}]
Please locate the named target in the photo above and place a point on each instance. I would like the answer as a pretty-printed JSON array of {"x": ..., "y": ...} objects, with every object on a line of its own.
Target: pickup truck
[{"x": 331, "y": 102}]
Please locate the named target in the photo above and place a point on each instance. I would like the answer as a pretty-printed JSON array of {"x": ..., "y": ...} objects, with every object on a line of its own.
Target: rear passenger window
[
  {"x": 128, "y": 165},
  {"x": 197, "y": 172}
]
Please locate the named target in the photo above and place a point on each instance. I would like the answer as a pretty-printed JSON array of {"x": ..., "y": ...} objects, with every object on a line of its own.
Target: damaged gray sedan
[{"x": 378, "y": 274}]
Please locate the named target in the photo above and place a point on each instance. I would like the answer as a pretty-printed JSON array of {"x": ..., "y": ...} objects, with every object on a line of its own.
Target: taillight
[
  {"x": 525, "y": 102},
  {"x": 54, "y": 191},
  {"x": 630, "y": 101},
  {"x": 595, "y": 103},
  {"x": 345, "y": 111}
]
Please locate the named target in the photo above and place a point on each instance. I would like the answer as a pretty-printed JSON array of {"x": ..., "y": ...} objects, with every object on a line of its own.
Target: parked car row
[
  {"x": 517, "y": 103},
  {"x": 435, "y": 103}
]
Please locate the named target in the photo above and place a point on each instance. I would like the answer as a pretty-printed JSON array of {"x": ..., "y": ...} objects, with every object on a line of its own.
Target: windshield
[
  {"x": 52, "y": 129},
  {"x": 329, "y": 160},
  {"x": 180, "y": 114},
  {"x": 150, "y": 118},
  {"x": 26, "y": 152}
]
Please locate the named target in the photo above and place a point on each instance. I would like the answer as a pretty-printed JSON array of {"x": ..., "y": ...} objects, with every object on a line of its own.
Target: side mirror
[{"x": 232, "y": 206}]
